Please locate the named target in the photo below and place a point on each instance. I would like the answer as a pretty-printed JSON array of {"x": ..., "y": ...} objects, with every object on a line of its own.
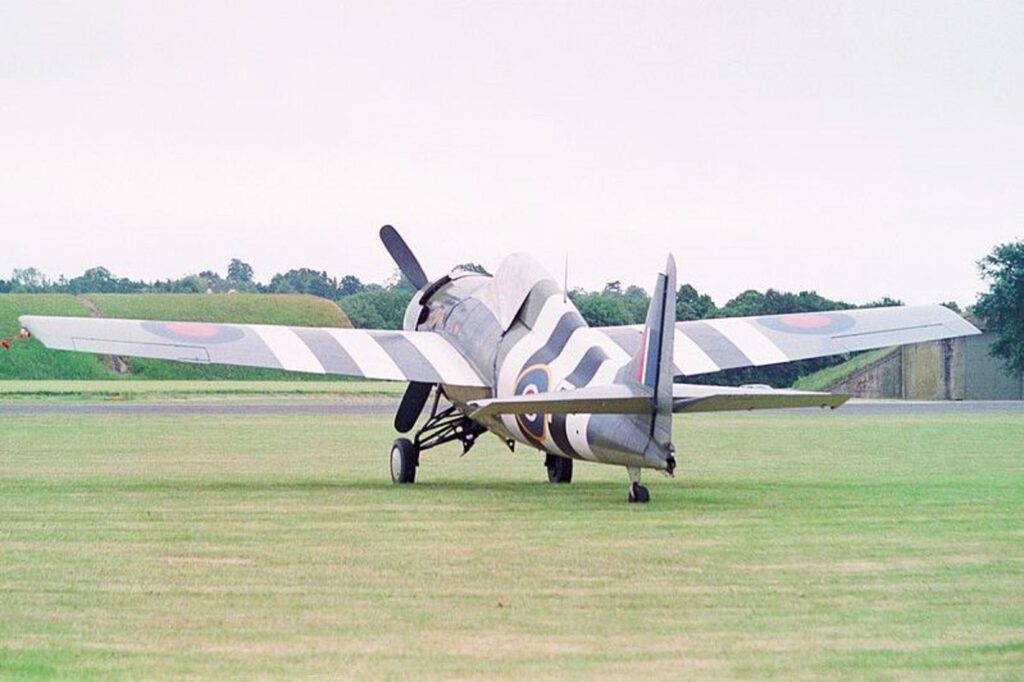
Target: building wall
[
  {"x": 933, "y": 370},
  {"x": 985, "y": 377}
]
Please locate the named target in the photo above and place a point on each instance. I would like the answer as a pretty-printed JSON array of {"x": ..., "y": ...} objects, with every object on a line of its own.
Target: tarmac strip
[{"x": 854, "y": 407}]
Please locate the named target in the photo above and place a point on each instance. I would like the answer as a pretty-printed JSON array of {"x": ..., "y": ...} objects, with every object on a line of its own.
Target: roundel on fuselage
[{"x": 533, "y": 380}]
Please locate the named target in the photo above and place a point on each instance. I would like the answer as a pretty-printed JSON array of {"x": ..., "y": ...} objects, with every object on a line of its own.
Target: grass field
[
  {"x": 30, "y": 360},
  {"x": 792, "y": 546},
  {"x": 162, "y": 390}
]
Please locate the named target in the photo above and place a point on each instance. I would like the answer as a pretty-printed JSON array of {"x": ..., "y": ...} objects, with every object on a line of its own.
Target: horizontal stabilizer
[
  {"x": 696, "y": 398},
  {"x": 614, "y": 399}
]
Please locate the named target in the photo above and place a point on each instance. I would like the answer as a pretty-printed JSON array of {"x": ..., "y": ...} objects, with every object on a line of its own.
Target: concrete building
[{"x": 954, "y": 369}]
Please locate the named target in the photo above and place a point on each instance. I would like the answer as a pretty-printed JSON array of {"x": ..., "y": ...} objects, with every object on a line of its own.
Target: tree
[
  {"x": 600, "y": 309},
  {"x": 377, "y": 307},
  {"x": 239, "y": 271},
  {"x": 28, "y": 280},
  {"x": 350, "y": 284},
  {"x": 750, "y": 302},
  {"x": 304, "y": 281},
  {"x": 99, "y": 280},
  {"x": 191, "y": 284},
  {"x": 693, "y": 305},
  {"x": 637, "y": 301},
  {"x": 613, "y": 288},
  {"x": 1002, "y": 306},
  {"x": 883, "y": 302}
]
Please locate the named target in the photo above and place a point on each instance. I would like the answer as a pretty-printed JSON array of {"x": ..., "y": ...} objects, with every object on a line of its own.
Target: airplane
[{"x": 510, "y": 354}]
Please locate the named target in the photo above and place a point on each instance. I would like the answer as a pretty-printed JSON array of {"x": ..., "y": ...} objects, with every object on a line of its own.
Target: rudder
[{"x": 653, "y": 364}]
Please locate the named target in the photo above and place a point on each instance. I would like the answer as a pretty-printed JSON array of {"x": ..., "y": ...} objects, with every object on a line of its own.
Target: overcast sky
[{"x": 859, "y": 149}]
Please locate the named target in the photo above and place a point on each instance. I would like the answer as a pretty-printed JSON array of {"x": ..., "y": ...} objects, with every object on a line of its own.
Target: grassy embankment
[
  {"x": 792, "y": 546},
  {"x": 30, "y": 360},
  {"x": 824, "y": 379}
]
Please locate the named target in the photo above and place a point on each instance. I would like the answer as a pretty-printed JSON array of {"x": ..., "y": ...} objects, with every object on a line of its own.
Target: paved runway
[{"x": 284, "y": 408}]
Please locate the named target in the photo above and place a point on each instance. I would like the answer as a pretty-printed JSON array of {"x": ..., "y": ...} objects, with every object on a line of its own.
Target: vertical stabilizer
[{"x": 653, "y": 364}]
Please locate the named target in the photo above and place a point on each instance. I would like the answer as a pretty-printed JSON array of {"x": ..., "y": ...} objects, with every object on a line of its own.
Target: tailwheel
[
  {"x": 559, "y": 468},
  {"x": 638, "y": 494},
  {"x": 404, "y": 460}
]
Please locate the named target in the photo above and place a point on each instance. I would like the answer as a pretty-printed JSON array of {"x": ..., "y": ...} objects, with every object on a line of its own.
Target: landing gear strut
[
  {"x": 637, "y": 493},
  {"x": 559, "y": 468},
  {"x": 444, "y": 425}
]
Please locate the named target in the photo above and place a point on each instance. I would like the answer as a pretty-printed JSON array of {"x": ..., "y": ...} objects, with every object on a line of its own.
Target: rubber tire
[
  {"x": 559, "y": 469},
  {"x": 638, "y": 494},
  {"x": 403, "y": 462}
]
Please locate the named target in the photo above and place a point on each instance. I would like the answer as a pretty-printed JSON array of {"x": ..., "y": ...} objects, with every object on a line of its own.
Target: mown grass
[
  {"x": 30, "y": 360},
  {"x": 141, "y": 389},
  {"x": 792, "y": 546},
  {"x": 825, "y": 378}
]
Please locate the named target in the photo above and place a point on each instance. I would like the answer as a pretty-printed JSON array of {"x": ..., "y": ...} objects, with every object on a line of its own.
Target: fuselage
[{"x": 522, "y": 333}]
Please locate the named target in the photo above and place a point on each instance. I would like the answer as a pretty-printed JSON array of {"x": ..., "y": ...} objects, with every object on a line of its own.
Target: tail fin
[{"x": 653, "y": 365}]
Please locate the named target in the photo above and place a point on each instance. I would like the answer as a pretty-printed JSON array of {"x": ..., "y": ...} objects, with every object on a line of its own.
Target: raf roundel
[
  {"x": 534, "y": 379},
  {"x": 194, "y": 332},
  {"x": 816, "y": 324}
]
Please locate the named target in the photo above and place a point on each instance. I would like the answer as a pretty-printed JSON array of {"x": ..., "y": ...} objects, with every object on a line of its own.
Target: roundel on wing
[
  {"x": 809, "y": 323},
  {"x": 194, "y": 332},
  {"x": 532, "y": 380}
]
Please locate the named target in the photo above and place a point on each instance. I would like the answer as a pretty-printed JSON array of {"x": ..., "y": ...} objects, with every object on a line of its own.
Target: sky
[{"x": 859, "y": 149}]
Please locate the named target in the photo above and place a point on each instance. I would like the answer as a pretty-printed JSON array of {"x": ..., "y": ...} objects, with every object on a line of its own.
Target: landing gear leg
[
  {"x": 559, "y": 468},
  {"x": 445, "y": 424},
  {"x": 637, "y": 493}
]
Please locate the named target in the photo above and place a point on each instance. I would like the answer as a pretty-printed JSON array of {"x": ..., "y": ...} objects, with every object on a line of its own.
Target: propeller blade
[
  {"x": 412, "y": 405},
  {"x": 402, "y": 255}
]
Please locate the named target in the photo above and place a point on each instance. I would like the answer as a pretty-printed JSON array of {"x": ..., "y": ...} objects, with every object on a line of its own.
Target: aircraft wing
[
  {"x": 395, "y": 355},
  {"x": 710, "y": 345}
]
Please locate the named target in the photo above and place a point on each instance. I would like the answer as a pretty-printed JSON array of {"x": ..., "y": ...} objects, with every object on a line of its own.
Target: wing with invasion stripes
[
  {"x": 395, "y": 355},
  {"x": 730, "y": 342}
]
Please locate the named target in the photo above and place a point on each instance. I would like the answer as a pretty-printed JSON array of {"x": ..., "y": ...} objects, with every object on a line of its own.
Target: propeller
[
  {"x": 402, "y": 255},
  {"x": 417, "y": 394}
]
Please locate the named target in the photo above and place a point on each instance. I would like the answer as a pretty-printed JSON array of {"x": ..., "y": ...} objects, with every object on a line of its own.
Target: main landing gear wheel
[
  {"x": 559, "y": 469},
  {"x": 638, "y": 494},
  {"x": 404, "y": 460}
]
